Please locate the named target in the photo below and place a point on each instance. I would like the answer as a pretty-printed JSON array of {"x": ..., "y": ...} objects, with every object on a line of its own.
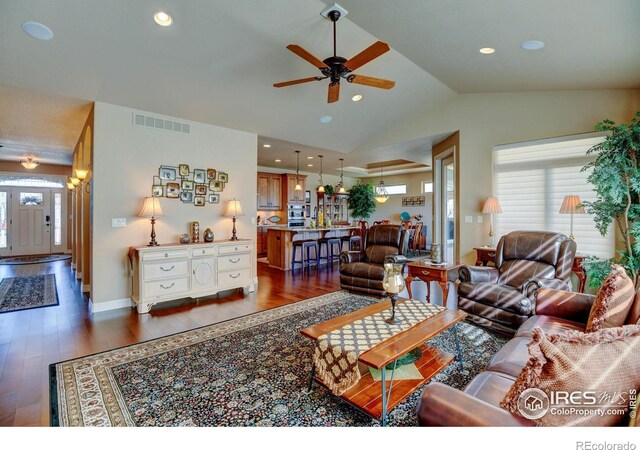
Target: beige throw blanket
[{"x": 336, "y": 353}]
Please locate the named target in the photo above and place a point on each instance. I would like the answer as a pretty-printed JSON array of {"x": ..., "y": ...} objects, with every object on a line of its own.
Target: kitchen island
[{"x": 280, "y": 241}]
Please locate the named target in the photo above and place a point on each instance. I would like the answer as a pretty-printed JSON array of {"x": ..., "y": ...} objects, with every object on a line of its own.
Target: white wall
[
  {"x": 485, "y": 120},
  {"x": 126, "y": 158}
]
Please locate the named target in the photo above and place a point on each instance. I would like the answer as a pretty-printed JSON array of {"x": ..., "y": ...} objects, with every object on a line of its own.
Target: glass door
[
  {"x": 448, "y": 209},
  {"x": 5, "y": 246}
]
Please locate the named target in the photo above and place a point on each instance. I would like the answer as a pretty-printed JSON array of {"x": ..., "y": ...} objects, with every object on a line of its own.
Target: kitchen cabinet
[
  {"x": 294, "y": 197},
  {"x": 262, "y": 242},
  {"x": 269, "y": 191},
  {"x": 334, "y": 207}
]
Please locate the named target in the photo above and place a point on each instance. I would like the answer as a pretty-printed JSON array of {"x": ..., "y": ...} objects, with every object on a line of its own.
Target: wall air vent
[{"x": 142, "y": 120}]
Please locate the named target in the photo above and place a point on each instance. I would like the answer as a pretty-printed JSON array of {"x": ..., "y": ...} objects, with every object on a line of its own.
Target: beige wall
[
  {"x": 485, "y": 120},
  {"x": 126, "y": 158},
  {"x": 392, "y": 208}
]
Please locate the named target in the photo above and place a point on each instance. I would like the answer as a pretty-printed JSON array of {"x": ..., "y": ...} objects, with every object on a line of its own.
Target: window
[
  {"x": 427, "y": 186},
  {"x": 3, "y": 220},
  {"x": 40, "y": 181},
  {"x": 531, "y": 180},
  {"x": 395, "y": 189},
  {"x": 31, "y": 198},
  {"x": 57, "y": 221}
]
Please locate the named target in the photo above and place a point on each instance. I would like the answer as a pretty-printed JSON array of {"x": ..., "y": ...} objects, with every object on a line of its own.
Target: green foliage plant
[{"x": 361, "y": 200}]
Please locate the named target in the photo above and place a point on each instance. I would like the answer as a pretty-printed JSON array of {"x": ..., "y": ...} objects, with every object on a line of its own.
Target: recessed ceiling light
[
  {"x": 326, "y": 119},
  {"x": 357, "y": 97},
  {"x": 487, "y": 50},
  {"x": 309, "y": 165},
  {"x": 532, "y": 45},
  {"x": 163, "y": 19},
  {"x": 38, "y": 31},
  {"x": 309, "y": 157},
  {"x": 266, "y": 145},
  {"x": 278, "y": 160}
]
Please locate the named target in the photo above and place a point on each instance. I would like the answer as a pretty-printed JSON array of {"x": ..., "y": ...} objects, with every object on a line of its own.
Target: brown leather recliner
[
  {"x": 479, "y": 403},
  {"x": 503, "y": 298},
  {"x": 363, "y": 271}
]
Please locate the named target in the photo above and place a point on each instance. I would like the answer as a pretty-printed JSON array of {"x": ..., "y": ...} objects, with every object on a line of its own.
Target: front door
[{"x": 30, "y": 221}]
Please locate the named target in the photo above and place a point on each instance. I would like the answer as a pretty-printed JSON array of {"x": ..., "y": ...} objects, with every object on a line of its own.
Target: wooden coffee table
[{"x": 377, "y": 398}]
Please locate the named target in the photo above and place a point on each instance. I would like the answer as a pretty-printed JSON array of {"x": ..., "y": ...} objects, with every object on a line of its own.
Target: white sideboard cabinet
[{"x": 170, "y": 272}]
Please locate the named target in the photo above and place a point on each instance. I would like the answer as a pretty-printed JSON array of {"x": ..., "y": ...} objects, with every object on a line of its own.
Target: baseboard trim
[{"x": 110, "y": 305}]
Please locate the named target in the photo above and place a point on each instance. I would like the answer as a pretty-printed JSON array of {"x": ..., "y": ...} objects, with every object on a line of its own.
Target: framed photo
[
  {"x": 214, "y": 198},
  {"x": 168, "y": 173},
  {"x": 187, "y": 185},
  {"x": 216, "y": 186},
  {"x": 201, "y": 189},
  {"x": 157, "y": 190},
  {"x": 211, "y": 174},
  {"x": 199, "y": 200},
  {"x": 186, "y": 197},
  {"x": 199, "y": 175},
  {"x": 173, "y": 190},
  {"x": 184, "y": 170},
  {"x": 223, "y": 176}
]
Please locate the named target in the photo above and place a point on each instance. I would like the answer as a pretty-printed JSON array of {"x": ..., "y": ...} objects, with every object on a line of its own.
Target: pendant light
[
  {"x": 342, "y": 190},
  {"x": 298, "y": 186},
  {"x": 30, "y": 163},
  {"x": 321, "y": 187},
  {"x": 381, "y": 190}
]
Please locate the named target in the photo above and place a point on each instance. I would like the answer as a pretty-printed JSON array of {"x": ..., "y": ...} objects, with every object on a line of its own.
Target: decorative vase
[
  {"x": 393, "y": 283},
  {"x": 436, "y": 253},
  {"x": 195, "y": 232},
  {"x": 184, "y": 238},
  {"x": 208, "y": 235}
]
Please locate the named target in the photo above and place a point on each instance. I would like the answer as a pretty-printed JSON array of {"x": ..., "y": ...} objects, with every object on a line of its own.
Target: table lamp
[
  {"x": 151, "y": 208},
  {"x": 491, "y": 207},
  {"x": 234, "y": 209},
  {"x": 572, "y": 205},
  {"x": 393, "y": 283}
]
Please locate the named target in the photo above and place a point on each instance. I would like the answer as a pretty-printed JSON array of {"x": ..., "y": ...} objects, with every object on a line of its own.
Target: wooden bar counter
[{"x": 280, "y": 241}]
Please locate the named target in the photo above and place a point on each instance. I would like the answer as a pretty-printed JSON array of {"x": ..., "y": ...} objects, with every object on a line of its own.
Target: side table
[{"x": 427, "y": 272}]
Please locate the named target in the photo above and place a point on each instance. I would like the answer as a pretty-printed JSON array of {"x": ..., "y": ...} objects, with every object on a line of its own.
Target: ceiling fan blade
[
  {"x": 292, "y": 82},
  {"x": 367, "y": 55},
  {"x": 334, "y": 93},
  {"x": 371, "y": 81},
  {"x": 302, "y": 53}
]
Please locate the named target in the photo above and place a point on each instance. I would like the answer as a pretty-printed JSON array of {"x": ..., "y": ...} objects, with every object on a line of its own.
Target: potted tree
[
  {"x": 361, "y": 200},
  {"x": 615, "y": 178}
]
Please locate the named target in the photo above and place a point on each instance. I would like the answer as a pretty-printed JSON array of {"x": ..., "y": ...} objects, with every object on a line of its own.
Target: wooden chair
[
  {"x": 415, "y": 238},
  {"x": 406, "y": 224},
  {"x": 382, "y": 222}
]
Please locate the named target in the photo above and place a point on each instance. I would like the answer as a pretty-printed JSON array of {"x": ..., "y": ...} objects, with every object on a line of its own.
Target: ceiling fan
[{"x": 336, "y": 67}]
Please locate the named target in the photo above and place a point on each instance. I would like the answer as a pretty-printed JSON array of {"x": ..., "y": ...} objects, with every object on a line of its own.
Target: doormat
[
  {"x": 38, "y": 259},
  {"x": 30, "y": 292}
]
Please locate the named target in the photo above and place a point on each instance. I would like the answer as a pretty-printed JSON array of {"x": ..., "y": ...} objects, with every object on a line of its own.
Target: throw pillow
[
  {"x": 613, "y": 302},
  {"x": 601, "y": 365}
]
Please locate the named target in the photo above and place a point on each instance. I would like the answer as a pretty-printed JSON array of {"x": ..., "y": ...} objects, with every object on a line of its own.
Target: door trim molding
[{"x": 440, "y": 151}]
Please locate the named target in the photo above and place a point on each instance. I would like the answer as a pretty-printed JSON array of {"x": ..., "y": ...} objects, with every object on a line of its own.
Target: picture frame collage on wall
[
  {"x": 197, "y": 186},
  {"x": 413, "y": 201}
]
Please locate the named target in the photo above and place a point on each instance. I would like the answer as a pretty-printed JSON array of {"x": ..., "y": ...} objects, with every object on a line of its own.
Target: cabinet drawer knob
[
  {"x": 167, "y": 270},
  {"x": 166, "y": 255},
  {"x": 167, "y": 287},
  {"x": 232, "y": 276},
  {"x": 203, "y": 252},
  {"x": 236, "y": 248},
  {"x": 234, "y": 261}
]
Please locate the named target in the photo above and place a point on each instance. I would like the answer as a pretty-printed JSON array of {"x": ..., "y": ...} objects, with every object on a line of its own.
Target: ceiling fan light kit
[{"x": 338, "y": 68}]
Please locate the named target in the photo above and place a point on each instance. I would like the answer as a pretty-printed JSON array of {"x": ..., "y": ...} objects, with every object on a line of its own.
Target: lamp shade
[
  {"x": 492, "y": 206},
  {"x": 234, "y": 209},
  {"x": 572, "y": 205},
  {"x": 151, "y": 208},
  {"x": 81, "y": 174}
]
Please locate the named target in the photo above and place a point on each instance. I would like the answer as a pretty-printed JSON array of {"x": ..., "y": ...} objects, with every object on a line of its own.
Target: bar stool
[
  {"x": 350, "y": 240},
  {"x": 330, "y": 243},
  {"x": 304, "y": 244}
]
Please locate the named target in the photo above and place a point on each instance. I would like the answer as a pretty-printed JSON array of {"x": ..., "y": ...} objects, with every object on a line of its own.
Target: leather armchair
[
  {"x": 363, "y": 271},
  {"x": 503, "y": 298}
]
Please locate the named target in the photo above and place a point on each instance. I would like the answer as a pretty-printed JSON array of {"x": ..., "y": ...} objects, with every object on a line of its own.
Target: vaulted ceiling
[{"x": 217, "y": 62}]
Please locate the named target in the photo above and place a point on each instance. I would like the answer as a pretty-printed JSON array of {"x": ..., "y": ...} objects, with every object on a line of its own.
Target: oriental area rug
[
  {"x": 249, "y": 371},
  {"x": 39, "y": 259},
  {"x": 28, "y": 292}
]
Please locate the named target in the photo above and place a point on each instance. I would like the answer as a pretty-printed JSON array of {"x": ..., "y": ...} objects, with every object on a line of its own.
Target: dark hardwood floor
[{"x": 30, "y": 340}]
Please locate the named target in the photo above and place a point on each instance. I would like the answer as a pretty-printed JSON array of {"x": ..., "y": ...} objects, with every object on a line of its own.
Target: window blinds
[{"x": 531, "y": 181}]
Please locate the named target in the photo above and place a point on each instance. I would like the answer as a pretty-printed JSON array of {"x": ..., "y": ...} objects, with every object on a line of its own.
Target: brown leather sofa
[
  {"x": 503, "y": 298},
  {"x": 478, "y": 405},
  {"x": 363, "y": 271}
]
